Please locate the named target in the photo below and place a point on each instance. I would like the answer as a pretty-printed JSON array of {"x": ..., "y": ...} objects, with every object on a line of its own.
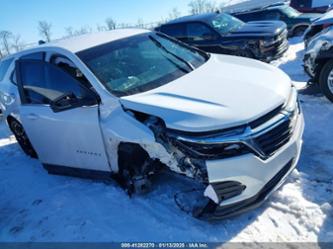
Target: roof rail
[{"x": 250, "y": 5}]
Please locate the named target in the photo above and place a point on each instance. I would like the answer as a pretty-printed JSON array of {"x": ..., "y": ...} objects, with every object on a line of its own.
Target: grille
[
  {"x": 254, "y": 124},
  {"x": 275, "y": 138}
]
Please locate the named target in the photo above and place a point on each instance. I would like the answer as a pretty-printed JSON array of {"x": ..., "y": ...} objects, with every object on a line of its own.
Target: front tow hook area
[{"x": 203, "y": 202}]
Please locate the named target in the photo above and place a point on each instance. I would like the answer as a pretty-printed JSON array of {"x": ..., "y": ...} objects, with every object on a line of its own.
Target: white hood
[{"x": 224, "y": 92}]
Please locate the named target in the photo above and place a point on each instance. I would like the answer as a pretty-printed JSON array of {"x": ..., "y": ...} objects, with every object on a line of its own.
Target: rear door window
[
  {"x": 33, "y": 56},
  {"x": 4, "y": 65}
]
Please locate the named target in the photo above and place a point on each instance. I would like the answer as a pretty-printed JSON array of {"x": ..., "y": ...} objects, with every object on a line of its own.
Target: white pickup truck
[{"x": 127, "y": 104}]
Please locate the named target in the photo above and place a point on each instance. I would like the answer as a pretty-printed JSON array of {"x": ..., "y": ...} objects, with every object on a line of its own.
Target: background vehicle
[
  {"x": 224, "y": 34},
  {"x": 130, "y": 103},
  {"x": 296, "y": 22},
  {"x": 317, "y": 26},
  {"x": 311, "y": 6},
  {"x": 318, "y": 61}
]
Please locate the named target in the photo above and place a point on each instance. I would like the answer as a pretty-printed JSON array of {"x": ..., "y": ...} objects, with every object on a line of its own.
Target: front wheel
[
  {"x": 22, "y": 138},
  {"x": 326, "y": 80}
]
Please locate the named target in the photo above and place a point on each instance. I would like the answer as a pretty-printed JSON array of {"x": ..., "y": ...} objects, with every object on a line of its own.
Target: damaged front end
[
  {"x": 186, "y": 154},
  {"x": 319, "y": 49},
  {"x": 230, "y": 170}
]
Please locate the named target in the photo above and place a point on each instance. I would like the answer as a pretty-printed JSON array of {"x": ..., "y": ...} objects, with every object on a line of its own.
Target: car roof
[
  {"x": 86, "y": 41},
  {"x": 265, "y": 8},
  {"x": 193, "y": 18},
  {"x": 82, "y": 42}
]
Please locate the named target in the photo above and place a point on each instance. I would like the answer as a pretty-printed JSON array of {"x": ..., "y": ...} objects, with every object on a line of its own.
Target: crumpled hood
[{"x": 226, "y": 91}]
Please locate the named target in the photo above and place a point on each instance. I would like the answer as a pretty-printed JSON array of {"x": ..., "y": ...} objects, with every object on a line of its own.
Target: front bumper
[
  {"x": 274, "y": 51},
  {"x": 261, "y": 177}
]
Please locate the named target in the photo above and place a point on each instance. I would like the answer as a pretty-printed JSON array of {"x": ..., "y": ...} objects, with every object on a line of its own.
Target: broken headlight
[
  {"x": 220, "y": 145},
  {"x": 268, "y": 42}
]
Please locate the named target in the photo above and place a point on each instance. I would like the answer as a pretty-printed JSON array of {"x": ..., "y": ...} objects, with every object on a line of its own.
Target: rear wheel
[
  {"x": 326, "y": 80},
  {"x": 22, "y": 138}
]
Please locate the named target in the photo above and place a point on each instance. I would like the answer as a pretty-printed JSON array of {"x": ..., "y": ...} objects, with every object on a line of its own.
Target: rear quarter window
[{"x": 4, "y": 65}]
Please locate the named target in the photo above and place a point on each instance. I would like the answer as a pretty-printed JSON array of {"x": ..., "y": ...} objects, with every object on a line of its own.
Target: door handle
[{"x": 32, "y": 116}]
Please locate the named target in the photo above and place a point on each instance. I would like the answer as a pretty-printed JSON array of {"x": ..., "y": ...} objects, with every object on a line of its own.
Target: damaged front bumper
[
  {"x": 245, "y": 165},
  {"x": 257, "y": 178}
]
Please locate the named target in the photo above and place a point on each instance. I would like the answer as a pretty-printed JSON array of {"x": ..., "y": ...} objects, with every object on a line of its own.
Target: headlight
[
  {"x": 267, "y": 43},
  {"x": 291, "y": 103},
  {"x": 212, "y": 151},
  {"x": 218, "y": 146}
]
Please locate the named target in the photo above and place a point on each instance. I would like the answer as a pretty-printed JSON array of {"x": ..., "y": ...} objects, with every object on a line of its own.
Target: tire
[
  {"x": 22, "y": 138},
  {"x": 326, "y": 80},
  {"x": 299, "y": 31}
]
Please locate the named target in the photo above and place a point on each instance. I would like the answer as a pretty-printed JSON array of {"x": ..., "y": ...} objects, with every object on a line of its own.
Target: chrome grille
[
  {"x": 275, "y": 138},
  {"x": 262, "y": 137}
]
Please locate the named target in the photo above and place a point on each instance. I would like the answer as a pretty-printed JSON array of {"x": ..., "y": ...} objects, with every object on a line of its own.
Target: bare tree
[
  {"x": 124, "y": 25},
  {"x": 1, "y": 54},
  {"x": 69, "y": 31},
  {"x": 83, "y": 30},
  {"x": 101, "y": 28},
  {"x": 5, "y": 37},
  {"x": 110, "y": 24},
  {"x": 202, "y": 6},
  {"x": 44, "y": 29},
  {"x": 140, "y": 23},
  {"x": 17, "y": 45},
  {"x": 174, "y": 13}
]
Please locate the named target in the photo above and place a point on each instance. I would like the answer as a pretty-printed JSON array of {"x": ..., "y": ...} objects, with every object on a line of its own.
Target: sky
[{"x": 22, "y": 16}]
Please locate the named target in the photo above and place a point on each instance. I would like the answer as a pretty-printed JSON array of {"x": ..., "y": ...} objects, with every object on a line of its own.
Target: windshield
[
  {"x": 225, "y": 23},
  {"x": 291, "y": 12},
  {"x": 141, "y": 63}
]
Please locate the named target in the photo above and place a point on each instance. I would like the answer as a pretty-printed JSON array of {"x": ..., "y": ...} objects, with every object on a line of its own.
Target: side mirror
[{"x": 69, "y": 101}]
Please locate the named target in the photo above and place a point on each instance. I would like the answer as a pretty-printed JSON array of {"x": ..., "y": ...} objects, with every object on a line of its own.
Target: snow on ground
[{"x": 35, "y": 206}]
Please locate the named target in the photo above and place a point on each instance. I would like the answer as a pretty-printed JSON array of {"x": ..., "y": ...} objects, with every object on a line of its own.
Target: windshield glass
[
  {"x": 225, "y": 23},
  {"x": 291, "y": 12},
  {"x": 141, "y": 63}
]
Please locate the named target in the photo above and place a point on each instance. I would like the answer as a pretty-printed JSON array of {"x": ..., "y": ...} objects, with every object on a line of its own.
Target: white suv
[{"x": 128, "y": 104}]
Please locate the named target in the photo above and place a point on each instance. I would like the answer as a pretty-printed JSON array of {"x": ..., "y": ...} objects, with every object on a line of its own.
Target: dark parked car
[
  {"x": 318, "y": 61},
  {"x": 224, "y": 34},
  {"x": 318, "y": 26},
  {"x": 311, "y": 6},
  {"x": 296, "y": 22}
]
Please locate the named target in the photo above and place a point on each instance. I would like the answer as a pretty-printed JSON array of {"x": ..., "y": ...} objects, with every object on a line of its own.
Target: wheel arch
[
  {"x": 322, "y": 58},
  {"x": 298, "y": 25}
]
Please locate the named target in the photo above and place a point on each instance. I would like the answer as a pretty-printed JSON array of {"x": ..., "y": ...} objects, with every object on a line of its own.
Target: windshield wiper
[{"x": 158, "y": 44}]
